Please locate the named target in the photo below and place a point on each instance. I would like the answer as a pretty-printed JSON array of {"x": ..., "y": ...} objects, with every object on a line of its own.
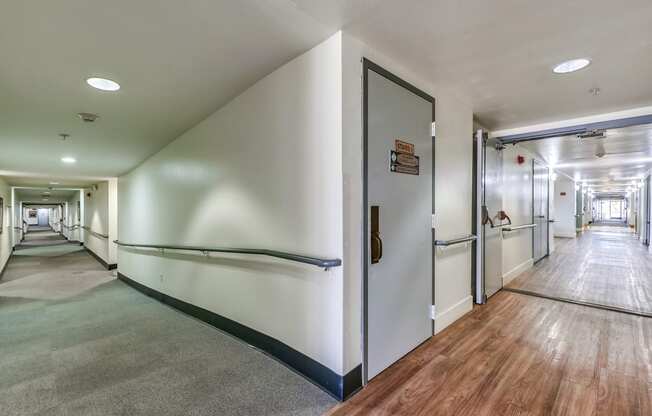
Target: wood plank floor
[
  {"x": 606, "y": 265},
  {"x": 520, "y": 355}
]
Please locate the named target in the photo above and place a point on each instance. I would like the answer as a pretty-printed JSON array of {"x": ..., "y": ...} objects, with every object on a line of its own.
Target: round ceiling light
[
  {"x": 68, "y": 159},
  {"x": 571, "y": 66},
  {"x": 103, "y": 84}
]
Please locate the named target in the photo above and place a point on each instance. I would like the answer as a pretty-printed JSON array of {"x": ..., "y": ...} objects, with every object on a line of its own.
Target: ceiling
[
  {"x": 501, "y": 53},
  {"x": 627, "y": 157},
  {"x": 39, "y": 196},
  {"x": 178, "y": 62}
]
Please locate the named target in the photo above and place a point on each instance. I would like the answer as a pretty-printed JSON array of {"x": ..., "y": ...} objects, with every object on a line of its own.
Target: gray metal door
[
  {"x": 540, "y": 181},
  {"x": 493, "y": 202},
  {"x": 399, "y": 207}
]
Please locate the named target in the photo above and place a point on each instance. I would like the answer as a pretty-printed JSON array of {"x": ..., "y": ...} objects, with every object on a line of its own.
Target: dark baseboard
[
  {"x": 107, "y": 266},
  {"x": 341, "y": 387}
]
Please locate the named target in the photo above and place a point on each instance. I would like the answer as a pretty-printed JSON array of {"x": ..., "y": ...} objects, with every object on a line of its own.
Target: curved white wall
[{"x": 263, "y": 171}]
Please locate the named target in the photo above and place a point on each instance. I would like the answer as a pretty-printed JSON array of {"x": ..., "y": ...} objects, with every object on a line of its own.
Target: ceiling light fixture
[
  {"x": 54, "y": 183},
  {"x": 68, "y": 159},
  {"x": 571, "y": 65},
  {"x": 88, "y": 117},
  {"x": 103, "y": 84}
]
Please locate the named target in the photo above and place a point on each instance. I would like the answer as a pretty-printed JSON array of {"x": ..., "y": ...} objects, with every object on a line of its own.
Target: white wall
[
  {"x": 565, "y": 207},
  {"x": 74, "y": 217},
  {"x": 5, "y": 225},
  {"x": 97, "y": 218},
  {"x": 263, "y": 171},
  {"x": 453, "y": 193},
  {"x": 281, "y": 167},
  {"x": 517, "y": 203}
]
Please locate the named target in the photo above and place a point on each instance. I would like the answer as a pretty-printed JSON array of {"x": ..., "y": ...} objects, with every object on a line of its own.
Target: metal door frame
[
  {"x": 647, "y": 211},
  {"x": 367, "y": 66},
  {"x": 547, "y": 210}
]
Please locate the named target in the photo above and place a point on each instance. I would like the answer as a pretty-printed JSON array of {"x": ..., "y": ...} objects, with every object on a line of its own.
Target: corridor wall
[
  {"x": 98, "y": 218},
  {"x": 280, "y": 167},
  {"x": 264, "y": 171},
  {"x": 517, "y": 203},
  {"x": 5, "y": 225},
  {"x": 74, "y": 217}
]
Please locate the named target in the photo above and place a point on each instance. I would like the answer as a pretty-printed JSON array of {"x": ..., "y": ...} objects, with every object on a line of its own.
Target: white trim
[
  {"x": 512, "y": 274},
  {"x": 634, "y": 112},
  {"x": 452, "y": 314}
]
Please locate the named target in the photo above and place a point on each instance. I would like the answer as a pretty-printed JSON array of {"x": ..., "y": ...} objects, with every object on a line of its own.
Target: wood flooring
[
  {"x": 606, "y": 265},
  {"x": 520, "y": 355}
]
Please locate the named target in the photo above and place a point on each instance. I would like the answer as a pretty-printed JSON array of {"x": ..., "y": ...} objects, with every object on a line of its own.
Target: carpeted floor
[{"x": 76, "y": 341}]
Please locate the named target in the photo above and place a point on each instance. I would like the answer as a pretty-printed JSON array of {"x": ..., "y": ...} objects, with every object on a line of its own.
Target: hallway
[
  {"x": 606, "y": 265},
  {"x": 74, "y": 340}
]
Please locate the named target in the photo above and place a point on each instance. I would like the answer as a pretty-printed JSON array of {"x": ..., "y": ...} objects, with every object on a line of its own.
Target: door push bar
[
  {"x": 446, "y": 243},
  {"x": 519, "y": 227}
]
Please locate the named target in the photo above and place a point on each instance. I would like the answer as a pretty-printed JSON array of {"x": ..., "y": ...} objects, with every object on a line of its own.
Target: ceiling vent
[{"x": 88, "y": 117}]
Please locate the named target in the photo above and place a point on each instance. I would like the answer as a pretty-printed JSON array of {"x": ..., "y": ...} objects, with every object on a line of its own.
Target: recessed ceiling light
[
  {"x": 103, "y": 84},
  {"x": 54, "y": 183},
  {"x": 571, "y": 66},
  {"x": 68, "y": 159}
]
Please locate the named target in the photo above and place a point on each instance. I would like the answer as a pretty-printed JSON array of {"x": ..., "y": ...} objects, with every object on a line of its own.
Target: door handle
[{"x": 376, "y": 241}]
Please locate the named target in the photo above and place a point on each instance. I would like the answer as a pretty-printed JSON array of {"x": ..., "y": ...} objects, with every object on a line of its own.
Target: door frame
[
  {"x": 367, "y": 66},
  {"x": 541, "y": 164},
  {"x": 648, "y": 210}
]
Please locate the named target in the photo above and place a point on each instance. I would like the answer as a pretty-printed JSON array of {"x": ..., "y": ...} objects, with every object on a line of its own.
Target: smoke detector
[{"x": 88, "y": 117}]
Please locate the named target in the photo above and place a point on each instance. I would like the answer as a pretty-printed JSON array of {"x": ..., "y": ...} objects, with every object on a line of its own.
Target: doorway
[
  {"x": 601, "y": 228},
  {"x": 540, "y": 208},
  {"x": 398, "y": 207}
]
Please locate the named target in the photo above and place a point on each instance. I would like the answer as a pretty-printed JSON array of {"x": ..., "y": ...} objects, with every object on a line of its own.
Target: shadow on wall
[{"x": 260, "y": 264}]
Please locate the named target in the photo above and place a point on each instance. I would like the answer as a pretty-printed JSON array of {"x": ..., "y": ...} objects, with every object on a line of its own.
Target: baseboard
[
  {"x": 108, "y": 266},
  {"x": 565, "y": 235},
  {"x": 452, "y": 314},
  {"x": 512, "y": 274},
  {"x": 338, "y": 386}
]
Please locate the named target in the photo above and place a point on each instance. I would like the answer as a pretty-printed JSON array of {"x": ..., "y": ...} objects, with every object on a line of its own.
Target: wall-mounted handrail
[
  {"x": 95, "y": 233},
  {"x": 453, "y": 241},
  {"x": 315, "y": 261},
  {"x": 519, "y": 227},
  {"x": 71, "y": 227}
]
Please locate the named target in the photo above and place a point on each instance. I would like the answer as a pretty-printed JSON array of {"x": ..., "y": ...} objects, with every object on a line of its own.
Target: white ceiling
[
  {"x": 178, "y": 62},
  {"x": 501, "y": 53},
  {"x": 627, "y": 160},
  {"x": 39, "y": 196}
]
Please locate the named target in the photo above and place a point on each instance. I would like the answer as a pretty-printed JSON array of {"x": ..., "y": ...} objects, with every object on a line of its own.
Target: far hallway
[{"x": 605, "y": 265}]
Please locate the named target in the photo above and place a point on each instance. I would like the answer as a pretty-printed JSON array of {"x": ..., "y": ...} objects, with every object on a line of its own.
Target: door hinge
[
  {"x": 433, "y": 129},
  {"x": 433, "y": 312},
  {"x": 433, "y": 221}
]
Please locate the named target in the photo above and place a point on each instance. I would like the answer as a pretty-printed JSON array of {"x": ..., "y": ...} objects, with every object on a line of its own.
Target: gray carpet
[{"x": 76, "y": 341}]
